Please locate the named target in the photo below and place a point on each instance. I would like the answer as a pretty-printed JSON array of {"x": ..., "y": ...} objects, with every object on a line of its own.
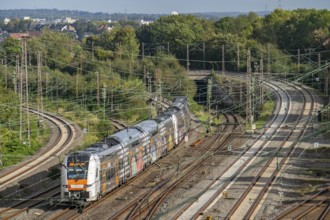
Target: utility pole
[
  {"x": 209, "y": 95},
  {"x": 318, "y": 75},
  {"x": 249, "y": 116},
  {"x": 20, "y": 73},
  {"x": 110, "y": 67},
  {"x": 238, "y": 58},
  {"x": 77, "y": 79},
  {"x": 187, "y": 57},
  {"x": 93, "y": 51},
  {"x": 24, "y": 64},
  {"x": 40, "y": 98},
  {"x": 309, "y": 64},
  {"x": 241, "y": 90},
  {"x": 262, "y": 79},
  {"x": 326, "y": 83},
  {"x": 142, "y": 47},
  {"x": 268, "y": 60},
  {"x": 255, "y": 78},
  {"x": 159, "y": 83},
  {"x": 16, "y": 75},
  {"x": 6, "y": 72},
  {"x": 298, "y": 61},
  {"x": 47, "y": 81},
  {"x": 131, "y": 65},
  {"x": 104, "y": 97},
  {"x": 145, "y": 76},
  {"x": 98, "y": 88},
  {"x": 223, "y": 58},
  {"x": 203, "y": 56},
  {"x": 150, "y": 95},
  {"x": 158, "y": 88}
]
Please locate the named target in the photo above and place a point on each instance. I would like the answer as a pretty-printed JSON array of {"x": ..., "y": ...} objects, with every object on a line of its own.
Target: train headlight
[{"x": 67, "y": 186}]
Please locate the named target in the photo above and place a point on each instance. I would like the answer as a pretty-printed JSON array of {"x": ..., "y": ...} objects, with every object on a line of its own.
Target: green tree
[{"x": 12, "y": 47}]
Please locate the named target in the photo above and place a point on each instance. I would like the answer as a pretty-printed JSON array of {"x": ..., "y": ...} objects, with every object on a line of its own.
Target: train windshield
[{"x": 77, "y": 167}]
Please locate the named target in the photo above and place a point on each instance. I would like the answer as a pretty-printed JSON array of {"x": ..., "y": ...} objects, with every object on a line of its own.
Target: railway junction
[{"x": 227, "y": 174}]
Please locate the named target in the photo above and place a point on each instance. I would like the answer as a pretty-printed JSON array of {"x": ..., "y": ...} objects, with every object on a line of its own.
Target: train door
[
  {"x": 104, "y": 177},
  {"x": 175, "y": 125},
  {"x": 117, "y": 172}
]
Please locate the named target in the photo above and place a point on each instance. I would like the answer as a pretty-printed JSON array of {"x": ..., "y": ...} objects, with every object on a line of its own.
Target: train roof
[
  {"x": 163, "y": 117},
  {"x": 127, "y": 136},
  {"x": 180, "y": 102},
  {"x": 148, "y": 126},
  {"x": 182, "y": 99}
]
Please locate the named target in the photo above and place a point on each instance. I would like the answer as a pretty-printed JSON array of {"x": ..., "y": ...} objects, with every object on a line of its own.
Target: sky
[{"x": 164, "y": 6}]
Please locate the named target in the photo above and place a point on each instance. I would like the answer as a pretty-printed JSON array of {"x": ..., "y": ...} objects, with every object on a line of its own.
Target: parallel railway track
[
  {"x": 158, "y": 189},
  {"x": 215, "y": 190},
  {"x": 243, "y": 209},
  {"x": 42, "y": 197},
  {"x": 315, "y": 207}
]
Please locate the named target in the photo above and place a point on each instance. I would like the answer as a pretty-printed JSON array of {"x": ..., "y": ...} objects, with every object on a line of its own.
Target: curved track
[
  {"x": 42, "y": 197},
  {"x": 206, "y": 201},
  {"x": 155, "y": 194},
  {"x": 263, "y": 165},
  {"x": 64, "y": 139}
]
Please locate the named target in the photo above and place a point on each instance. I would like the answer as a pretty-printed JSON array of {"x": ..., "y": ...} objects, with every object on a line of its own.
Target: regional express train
[{"x": 86, "y": 175}]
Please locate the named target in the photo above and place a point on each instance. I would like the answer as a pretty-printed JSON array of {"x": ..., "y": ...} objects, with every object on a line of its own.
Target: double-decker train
[{"x": 87, "y": 175}]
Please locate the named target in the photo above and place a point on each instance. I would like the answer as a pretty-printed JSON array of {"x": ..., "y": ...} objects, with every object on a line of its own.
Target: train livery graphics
[{"x": 86, "y": 175}]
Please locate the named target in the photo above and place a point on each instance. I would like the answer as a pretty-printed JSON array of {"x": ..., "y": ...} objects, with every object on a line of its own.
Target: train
[{"x": 89, "y": 174}]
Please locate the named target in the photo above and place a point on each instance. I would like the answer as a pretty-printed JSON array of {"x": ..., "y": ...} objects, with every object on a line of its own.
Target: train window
[
  {"x": 121, "y": 164},
  {"x": 97, "y": 172},
  {"x": 135, "y": 143},
  {"x": 154, "y": 132},
  {"x": 110, "y": 173}
]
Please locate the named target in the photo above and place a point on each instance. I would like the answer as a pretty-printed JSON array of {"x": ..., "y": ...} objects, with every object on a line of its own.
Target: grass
[
  {"x": 266, "y": 112},
  {"x": 204, "y": 118}
]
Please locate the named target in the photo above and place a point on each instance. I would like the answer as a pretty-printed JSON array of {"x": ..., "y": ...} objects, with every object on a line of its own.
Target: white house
[
  {"x": 142, "y": 22},
  {"x": 6, "y": 21}
]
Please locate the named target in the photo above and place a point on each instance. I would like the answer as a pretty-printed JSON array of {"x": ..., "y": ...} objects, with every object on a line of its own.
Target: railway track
[
  {"x": 145, "y": 194},
  {"x": 243, "y": 201},
  {"x": 42, "y": 197},
  {"x": 244, "y": 208},
  {"x": 39, "y": 199},
  {"x": 66, "y": 135},
  {"x": 147, "y": 206},
  {"x": 118, "y": 124},
  {"x": 216, "y": 189},
  {"x": 315, "y": 207}
]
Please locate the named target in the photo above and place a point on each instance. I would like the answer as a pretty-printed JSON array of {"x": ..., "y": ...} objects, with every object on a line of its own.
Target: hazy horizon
[{"x": 165, "y": 7}]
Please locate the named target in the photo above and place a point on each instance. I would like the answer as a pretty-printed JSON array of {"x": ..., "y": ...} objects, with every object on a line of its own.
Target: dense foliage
[{"x": 112, "y": 73}]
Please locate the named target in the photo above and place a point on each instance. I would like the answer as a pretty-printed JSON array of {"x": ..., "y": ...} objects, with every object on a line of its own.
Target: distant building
[
  {"x": 174, "y": 13},
  {"x": 103, "y": 27},
  {"x": 69, "y": 20},
  {"x": 57, "y": 21},
  {"x": 20, "y": 36},
  {"x": 143, "y": 22},
  {"x": 68, "y": 28},
  {"x": 26, "y": 18},
  {"x": 6, "y": 21},
  {"x": 39, "y": 20}
]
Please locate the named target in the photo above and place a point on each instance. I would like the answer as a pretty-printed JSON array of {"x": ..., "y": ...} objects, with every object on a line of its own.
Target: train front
[{"x": 79, "y": 178}]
